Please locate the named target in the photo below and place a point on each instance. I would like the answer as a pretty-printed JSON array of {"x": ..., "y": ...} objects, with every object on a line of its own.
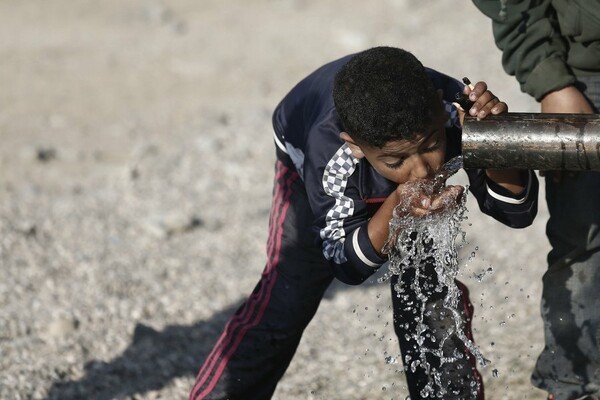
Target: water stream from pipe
[{"x": 415, "y": 245}]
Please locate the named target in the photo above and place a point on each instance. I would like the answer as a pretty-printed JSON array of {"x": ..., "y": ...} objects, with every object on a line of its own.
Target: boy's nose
[{"x": 421, "y": 168}]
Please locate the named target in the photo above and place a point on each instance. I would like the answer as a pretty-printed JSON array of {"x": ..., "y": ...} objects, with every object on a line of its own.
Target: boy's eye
[{"x": 396, "y": 164}]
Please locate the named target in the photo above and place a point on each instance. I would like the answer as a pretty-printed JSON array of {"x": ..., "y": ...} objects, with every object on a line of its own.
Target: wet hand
[
  {"x": 417, "y": 198},
  {"x": 448, "y": 197}
]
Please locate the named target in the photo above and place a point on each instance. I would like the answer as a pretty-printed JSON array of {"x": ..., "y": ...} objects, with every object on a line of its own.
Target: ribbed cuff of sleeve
[
  {"x": 550, "y": 75},
  {"x": 504, "y": 195},
  {"x": 362, "y": 259},
  {"x": 362, "y": 248}
]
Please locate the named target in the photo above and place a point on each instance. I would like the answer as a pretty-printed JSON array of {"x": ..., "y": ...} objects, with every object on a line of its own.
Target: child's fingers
[
  {"x": 416, "y": 210},
  {"x": 413, "y": 201},
  {"x": 448, "y": 197},
  {"x": 486, "y": 107},
  {"x": 480, "y": 96},
  {"x": 482, "y": 100},
  {"x": 419, "y": 212},
  {"x": 484, "y": 104},
  {"x": 494, "y": 106},
  {"x": 476, "y": 90},
  {"x": 420, "y": 205},
  {"x": 499, "y": 108}
]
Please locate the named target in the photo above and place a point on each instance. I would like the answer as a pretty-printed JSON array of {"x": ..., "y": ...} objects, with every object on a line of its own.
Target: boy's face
[{"x": 401, "y": 161}]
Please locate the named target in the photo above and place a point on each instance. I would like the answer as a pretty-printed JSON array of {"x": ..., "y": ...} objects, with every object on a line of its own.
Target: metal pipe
[{"x": 532, "y": 141}]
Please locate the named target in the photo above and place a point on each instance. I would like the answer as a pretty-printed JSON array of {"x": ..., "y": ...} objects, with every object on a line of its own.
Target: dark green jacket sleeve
[{"x": 533, "y": 50}]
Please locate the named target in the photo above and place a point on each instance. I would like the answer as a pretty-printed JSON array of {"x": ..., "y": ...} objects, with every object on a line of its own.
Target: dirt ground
[{"x": 135, "y": 179}]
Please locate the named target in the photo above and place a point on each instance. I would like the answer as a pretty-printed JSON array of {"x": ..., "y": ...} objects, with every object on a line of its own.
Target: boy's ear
[{"x": 355, "y": 148}]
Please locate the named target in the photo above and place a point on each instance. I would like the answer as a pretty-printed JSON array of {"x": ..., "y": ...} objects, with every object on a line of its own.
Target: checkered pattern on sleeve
[
  {"x": 454, "y": 119},
  {"x": 335, "y": 178}
]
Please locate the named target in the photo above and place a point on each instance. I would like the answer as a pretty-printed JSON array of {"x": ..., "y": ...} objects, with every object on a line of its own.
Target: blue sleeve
[{"x": 341, "y": 215}]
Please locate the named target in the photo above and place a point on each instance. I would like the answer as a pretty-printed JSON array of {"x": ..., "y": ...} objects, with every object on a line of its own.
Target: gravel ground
[{"x": 135, "y": 181}]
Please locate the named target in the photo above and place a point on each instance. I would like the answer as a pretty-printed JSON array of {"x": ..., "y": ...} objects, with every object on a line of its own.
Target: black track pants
[{"x": 261, "y": 338}]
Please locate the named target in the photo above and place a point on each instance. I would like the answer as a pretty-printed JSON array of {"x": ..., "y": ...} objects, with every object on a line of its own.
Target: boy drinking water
[{"x": 353, "y": 140}]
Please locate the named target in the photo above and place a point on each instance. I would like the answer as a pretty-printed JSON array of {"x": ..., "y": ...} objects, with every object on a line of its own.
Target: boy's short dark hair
[{"x": 384, "y": 94}]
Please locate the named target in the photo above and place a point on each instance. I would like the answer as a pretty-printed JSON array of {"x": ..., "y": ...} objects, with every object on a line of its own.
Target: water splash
[
  {"x": 447, "y": 170},
  {"x": 415, "y": 245}
]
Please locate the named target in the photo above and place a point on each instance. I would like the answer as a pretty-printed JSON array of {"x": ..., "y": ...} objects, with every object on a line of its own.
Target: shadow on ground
[
  {"x": 154, "y": 358},
  {"x": 151, "y": 361}
]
